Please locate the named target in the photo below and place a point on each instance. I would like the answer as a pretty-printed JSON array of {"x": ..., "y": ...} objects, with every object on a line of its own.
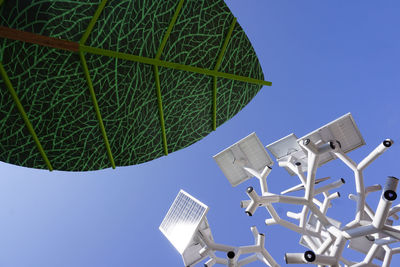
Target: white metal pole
[
  {"x": 388, "y": 195},
  {"x": 382, "y": 147},
  {"x": 247, "y": 260},
  {"x": 359, "y": 231},
  {"x": 295, "y": 258},
  {"x": 330, "y": 186}
]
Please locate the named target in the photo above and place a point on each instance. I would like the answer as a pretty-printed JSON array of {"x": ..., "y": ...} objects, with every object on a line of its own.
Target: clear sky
[{"x": 325, "y": 58}]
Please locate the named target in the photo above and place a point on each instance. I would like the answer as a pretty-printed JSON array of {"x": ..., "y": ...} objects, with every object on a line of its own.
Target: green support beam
[
  {"x": 96, "y": 108},
  {"x": 24, "y": 116},
  {"x": 225, "y": 45},
  {"x": 169, "y": 29},
  {"x": 157, "y": 77},
  {"x": 217, "y": 65},
  {"x": 89, "y": 29},
  {"x": 172, "y": 65},
  {"x": 82, "y": 41},
  {"x": 214, "y": 103},
  {"x": 160, "y": 110},
  {"x": 140, "y": 59}
]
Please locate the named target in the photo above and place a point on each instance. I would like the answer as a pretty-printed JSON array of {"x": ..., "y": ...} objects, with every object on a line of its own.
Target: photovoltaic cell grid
[{"x": 182, "y": 220}]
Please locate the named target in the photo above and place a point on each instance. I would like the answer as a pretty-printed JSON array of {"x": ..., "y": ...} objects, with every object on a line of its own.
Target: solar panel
[
  {"x": 284, "y": 146},
  {"x": 288, "y": 147},
  {"x": 343, "y": 129},
  {"x": 182, "y": 220},
  {"x": 248, "y": 152}
]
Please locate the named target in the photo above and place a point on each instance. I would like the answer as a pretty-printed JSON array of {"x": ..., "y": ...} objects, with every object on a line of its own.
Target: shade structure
[{"x": 88, "y": 85}]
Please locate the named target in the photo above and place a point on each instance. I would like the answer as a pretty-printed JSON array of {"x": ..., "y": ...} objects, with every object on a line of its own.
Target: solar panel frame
[
  {"x": 183, "y": 218},
  {"x": 247, "y": 152},
  {"x": 287, "y": 147},
  {"x": 343, "y": 129},
  {"x": 284, "y": 147}
]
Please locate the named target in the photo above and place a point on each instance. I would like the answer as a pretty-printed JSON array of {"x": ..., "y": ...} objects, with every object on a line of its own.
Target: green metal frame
[
  {"x": 172, "y": 65},
  {"x": 24, "y": 116},
  {"x": 225, "y": 45},
  {"x": 160, "y": 110},
  {"x": 157, "y": 77},
  {"x": 217, "y": 65},
  {"x": 89, "y": 29},
  {"x": 82, "y": 41},
  {"x": 169, "y": 29},
  {"x": 145, "y": 60},
  {"x": 96, "y": 108}
]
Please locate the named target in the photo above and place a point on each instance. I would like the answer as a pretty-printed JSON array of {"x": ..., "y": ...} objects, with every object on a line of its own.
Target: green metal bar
[
  {"x": 92, "y": 22},
  {"x": 217, "y": 65},
  {"x": 171, "y": 25},
  {"x": 24, "y": 116},
  {"x": 225, "y": 45},
  {"x": 157, "y": 77},
  {"x": 96, "y": 107},
  {"x": 214, "y": 103},
  {"x": 160, "y": 110},
  {"x": 161, "y": 63}
]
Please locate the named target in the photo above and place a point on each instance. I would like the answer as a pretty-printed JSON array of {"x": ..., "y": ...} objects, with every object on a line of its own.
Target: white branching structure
[
  {"x": 256, "y": 251},
  {"x": 186, "y": 227},
  {"x": 371, "y": 232},
  {"x": 322, "y": 235}
]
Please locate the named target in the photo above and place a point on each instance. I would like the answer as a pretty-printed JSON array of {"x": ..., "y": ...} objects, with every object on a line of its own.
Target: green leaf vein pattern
[{"x": 139, "y": 125}]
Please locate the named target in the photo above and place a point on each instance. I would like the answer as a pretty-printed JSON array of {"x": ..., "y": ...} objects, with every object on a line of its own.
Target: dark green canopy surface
[{"x": 88, "y": 85}]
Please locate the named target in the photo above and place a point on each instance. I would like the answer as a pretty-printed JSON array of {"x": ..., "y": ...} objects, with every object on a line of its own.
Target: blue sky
[{"x": 325, "y": 58}]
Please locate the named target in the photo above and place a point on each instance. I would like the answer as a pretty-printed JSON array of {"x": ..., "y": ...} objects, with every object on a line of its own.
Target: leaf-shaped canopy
[{"x": 88, "y": 85}]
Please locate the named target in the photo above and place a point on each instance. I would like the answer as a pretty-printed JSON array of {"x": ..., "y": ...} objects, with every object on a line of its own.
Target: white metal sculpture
[
  {"x": 186, "y": 227},
  {"x": 369, "y": 233}
]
